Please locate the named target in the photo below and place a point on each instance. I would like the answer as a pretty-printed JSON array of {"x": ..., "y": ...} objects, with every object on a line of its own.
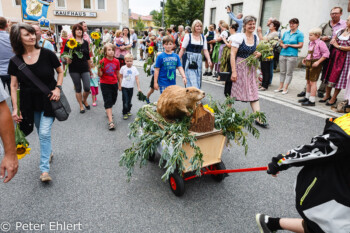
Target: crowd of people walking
[{"x": 27, "y": 52}]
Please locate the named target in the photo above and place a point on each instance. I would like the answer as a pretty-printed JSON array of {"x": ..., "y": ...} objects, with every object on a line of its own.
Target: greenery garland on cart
[{"x": 149, "y": 134}]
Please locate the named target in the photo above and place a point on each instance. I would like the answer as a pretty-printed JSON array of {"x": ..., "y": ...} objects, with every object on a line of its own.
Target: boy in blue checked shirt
[{"x": 166, "y": 65}]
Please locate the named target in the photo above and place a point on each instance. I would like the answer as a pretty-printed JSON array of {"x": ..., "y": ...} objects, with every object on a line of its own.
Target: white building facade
[{"x": 311, "y": 13}]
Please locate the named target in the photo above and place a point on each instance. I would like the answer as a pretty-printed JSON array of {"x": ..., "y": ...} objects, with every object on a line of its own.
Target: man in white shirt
[
  {"x": 106, "y": 36},
  {"x": 134, "y": 43}
]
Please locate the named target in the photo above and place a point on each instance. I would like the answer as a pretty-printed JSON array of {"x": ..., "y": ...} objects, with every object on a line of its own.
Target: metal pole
[{"x": 163, "y": 14}]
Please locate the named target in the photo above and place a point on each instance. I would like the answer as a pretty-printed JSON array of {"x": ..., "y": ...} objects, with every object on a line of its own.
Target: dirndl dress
[
  {"x": 245, "y": 89},
  {"x": 193, "y": 55},
  {"x": 339, "y": 65}
]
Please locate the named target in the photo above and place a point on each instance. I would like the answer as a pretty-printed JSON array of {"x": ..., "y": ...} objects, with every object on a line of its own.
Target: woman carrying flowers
[
  {"x": 79, "y": 68},
  {"x": 35, "y": 107},
  {"x": 244, "y": 86},
  {"x": 267, "y": 63}
]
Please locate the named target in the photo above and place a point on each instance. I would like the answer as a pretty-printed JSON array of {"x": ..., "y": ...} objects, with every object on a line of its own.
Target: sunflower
[
  {"x": 22, "y": 151},
  {"x": 72, "y": 43},
  {"x": 95, "y": 35},
  {"x": 209, "y": 108},
  {"x": 150, "y": 50}
]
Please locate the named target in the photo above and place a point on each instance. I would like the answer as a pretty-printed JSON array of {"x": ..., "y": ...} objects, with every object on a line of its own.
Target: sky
[{"x": 144, "y": 7}]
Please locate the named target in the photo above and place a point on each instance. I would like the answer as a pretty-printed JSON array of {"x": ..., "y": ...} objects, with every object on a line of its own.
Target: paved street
[{"x": 90, "y": 188}]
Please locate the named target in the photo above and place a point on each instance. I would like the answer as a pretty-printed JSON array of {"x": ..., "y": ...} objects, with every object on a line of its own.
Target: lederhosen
[{"x": 312, "y": 73}]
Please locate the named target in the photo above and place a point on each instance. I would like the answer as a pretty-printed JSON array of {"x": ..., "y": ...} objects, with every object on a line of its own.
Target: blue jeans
[{"x": 43, "y": 125}]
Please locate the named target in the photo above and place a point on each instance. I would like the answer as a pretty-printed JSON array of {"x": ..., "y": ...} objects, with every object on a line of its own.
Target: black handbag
[{"x": 61, "y": 108}]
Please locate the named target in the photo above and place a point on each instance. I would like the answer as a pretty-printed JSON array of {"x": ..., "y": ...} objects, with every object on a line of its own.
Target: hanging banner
[{"x": 35, "y": 9}]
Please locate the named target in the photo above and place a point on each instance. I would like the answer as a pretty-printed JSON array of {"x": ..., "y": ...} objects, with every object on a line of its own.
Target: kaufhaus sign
[{"x": 75, "y": 13}]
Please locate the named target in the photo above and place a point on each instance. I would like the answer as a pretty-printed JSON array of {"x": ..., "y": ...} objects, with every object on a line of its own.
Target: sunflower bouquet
[
  {"x": 22, "y": 145},
  {"x": 72, "y": 45},
  {"x": 96, "y": 47},
  {"x": 266, "y": 50}
]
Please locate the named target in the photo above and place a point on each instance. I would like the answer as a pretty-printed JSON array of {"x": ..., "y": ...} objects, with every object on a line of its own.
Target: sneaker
[
  {"x": 261, "y": 221},
  {"x": 125, "y": 117},
  {"x": 301, "y": 94},
  {"x": 205, "y": 73},
  {"x": 308, "y": 103},
  {"x": 303, "y": 100},
  {"x": 147, "y": 101},
  {"x": 129, "y": 114},
  {"x": 284, "y": 92}
]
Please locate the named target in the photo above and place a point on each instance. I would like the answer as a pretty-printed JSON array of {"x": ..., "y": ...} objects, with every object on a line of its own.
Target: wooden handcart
[{"x": 211, "y": 145}]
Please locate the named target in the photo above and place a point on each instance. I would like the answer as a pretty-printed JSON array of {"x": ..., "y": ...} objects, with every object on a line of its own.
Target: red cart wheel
[
  {"x": 218, "y": 166},
  {"x": 177, "y": 184}
]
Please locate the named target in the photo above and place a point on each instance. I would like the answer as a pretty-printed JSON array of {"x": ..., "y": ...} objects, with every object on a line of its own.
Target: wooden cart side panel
[{"x": 211, "y": 148}]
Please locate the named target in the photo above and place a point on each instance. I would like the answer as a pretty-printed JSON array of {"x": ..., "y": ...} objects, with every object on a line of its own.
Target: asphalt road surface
[{"x": 90, "y": 190}]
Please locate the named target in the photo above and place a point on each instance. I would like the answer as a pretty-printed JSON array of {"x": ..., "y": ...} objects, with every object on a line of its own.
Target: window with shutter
[
  {"x": 271, "y": 8},
  {"x": 18, "y": 2}
]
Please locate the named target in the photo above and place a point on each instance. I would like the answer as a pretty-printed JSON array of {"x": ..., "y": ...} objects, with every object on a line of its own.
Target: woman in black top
[
  {"x": 79, "y": 68},
  {"x": 35, "y": 106}
]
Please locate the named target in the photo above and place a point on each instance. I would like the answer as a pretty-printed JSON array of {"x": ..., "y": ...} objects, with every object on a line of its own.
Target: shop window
[
  {"x": 271, "y": 8},
  {"x": 101, "y": 4},
  {"x": 236, "y": 9},
  {"x": 87, "y": 4},
  {"x": 61, "y": 3},
  {"x": 212, "y": 15}
]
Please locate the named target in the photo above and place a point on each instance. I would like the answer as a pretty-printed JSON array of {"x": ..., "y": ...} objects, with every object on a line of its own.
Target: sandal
[
  {"x": 111, "y": 126},
  {"x": 263, "y": 125},
  {"x": 45, "y": 178}
]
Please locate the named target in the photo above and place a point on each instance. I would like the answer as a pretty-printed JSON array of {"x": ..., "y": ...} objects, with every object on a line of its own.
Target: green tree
[
  {"x": 139, "y": 26},
  {"x": 183, "y": 12},
  {"x": 157, "y": 17}
]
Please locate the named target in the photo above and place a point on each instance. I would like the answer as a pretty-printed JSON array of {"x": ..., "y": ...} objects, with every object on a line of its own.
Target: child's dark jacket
[{"x": 323, "y": 184}]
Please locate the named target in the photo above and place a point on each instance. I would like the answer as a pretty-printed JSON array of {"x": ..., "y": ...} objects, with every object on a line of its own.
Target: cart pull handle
[{"x": 252, "y": 169}]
